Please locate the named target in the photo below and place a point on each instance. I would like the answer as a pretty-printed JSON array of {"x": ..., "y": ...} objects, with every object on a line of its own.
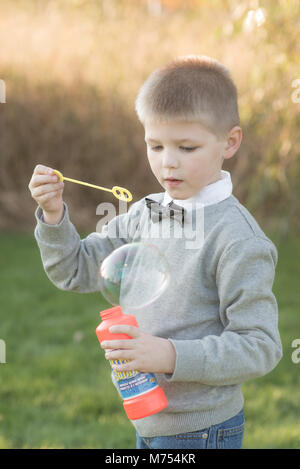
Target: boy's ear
[{"x": 234, "y": 140}]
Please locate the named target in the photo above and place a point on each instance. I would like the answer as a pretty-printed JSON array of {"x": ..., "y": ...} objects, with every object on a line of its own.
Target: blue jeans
[{"x": 225, "y": 435}]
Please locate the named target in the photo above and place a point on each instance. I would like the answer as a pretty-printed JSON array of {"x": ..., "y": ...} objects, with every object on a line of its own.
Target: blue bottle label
[{"x": 133, "y": 383}]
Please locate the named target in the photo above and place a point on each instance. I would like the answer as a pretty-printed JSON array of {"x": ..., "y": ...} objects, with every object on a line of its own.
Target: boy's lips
[
  {"x": 173, "y": 181},
  {"x": 171, "y": 178}
]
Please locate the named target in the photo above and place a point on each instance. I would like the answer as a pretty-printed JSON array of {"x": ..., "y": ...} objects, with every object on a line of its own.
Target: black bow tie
[{"x": 158, "y": 211}]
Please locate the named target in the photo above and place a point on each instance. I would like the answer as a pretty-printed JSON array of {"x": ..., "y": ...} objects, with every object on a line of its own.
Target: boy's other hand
[
  {"x": 46, "y": 189},
  {"x": 146, "y": 353}
]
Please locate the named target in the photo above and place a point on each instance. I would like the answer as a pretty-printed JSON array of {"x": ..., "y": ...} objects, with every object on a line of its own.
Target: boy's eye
[
  {"x": 189, "y": 148},
  {"x": 183, "y": 148},
  {"x": 155, "y": 148}
]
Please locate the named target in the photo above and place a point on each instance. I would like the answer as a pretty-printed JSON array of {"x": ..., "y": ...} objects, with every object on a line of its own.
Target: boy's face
[{"x": 195, "y": 161}]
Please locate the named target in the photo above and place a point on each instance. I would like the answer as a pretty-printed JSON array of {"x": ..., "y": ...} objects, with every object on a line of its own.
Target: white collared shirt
[{"x": 210, "y": 194}]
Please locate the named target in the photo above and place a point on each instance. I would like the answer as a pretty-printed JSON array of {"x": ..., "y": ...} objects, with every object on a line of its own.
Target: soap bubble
[{"x": 134, "y": 275}]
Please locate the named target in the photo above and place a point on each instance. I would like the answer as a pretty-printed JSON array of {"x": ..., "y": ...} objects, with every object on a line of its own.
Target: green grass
[{"x": 55, "y": 389}]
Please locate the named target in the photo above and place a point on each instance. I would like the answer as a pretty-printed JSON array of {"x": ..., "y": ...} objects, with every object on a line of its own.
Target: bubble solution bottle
[{"x": 141, "y": 394}]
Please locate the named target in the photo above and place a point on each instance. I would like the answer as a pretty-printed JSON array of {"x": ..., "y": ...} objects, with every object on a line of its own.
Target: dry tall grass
[{"x": 72, "y": 70}]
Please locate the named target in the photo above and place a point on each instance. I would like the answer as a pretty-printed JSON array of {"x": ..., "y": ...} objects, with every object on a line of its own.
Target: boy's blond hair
[{"x": 192, "y": 88}]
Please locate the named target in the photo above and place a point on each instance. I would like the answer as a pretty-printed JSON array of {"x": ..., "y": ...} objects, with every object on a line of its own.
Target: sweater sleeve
[
  {"x": 72, "y": 263},
  {"x": 249, "y": 345}
]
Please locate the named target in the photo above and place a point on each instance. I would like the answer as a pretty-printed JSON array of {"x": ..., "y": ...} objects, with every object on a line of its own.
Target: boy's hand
[
  {"x": 147, "y": 353},
  {"x": 46, "y": 189}
]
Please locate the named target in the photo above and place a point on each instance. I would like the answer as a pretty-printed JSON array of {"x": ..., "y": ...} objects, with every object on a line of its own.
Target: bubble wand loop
[{"x": 119, "y": 192}]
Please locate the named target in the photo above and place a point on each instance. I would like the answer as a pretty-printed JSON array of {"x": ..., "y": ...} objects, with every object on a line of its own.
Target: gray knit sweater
[{"x": 219, "y": 310}]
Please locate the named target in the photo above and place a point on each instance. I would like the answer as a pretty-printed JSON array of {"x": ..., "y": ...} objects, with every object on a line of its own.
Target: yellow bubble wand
[{"x": 119, "y": 192}]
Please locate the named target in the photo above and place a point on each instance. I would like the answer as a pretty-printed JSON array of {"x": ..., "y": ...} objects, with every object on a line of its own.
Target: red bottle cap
[{"x": 111, "y": 313}]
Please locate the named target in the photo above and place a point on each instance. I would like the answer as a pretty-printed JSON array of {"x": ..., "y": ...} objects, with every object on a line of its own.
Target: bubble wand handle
[{"x": 119, "y": 192}]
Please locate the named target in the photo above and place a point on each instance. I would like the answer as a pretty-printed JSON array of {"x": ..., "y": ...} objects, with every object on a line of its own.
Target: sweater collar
[{"x": 210, "y": 194}]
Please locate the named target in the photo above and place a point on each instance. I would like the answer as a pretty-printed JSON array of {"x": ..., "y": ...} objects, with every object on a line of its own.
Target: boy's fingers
[
  {"x": 41, "y": 169},
  {"x": 46, "y": 188},
  {"x": 133, "y": 331},
  {"x": 49, "y": 195},
  {"x": 117, "y": 344},
  {"x": 43, "y": 179},
  {"x": 119, "y": 355}
]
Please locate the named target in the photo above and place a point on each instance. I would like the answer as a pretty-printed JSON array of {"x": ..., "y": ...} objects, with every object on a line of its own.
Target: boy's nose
[{"x": 169, "y": 161}]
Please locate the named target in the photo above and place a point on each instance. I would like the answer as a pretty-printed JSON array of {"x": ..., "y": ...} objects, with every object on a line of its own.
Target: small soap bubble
[
  {"x": 134, "y": 275},
  {"x": 78, "y": 336}
]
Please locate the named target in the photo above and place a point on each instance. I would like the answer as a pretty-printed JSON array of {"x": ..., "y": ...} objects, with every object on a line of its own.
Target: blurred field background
[{"x": 72, "y": 70}]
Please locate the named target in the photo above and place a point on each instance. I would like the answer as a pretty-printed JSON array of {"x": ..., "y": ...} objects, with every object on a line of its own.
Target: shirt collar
[{"x": 210, "y": 194}]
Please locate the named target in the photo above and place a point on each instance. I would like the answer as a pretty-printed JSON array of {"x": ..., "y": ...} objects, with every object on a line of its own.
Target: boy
[{"x": 217, "y": 325}]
